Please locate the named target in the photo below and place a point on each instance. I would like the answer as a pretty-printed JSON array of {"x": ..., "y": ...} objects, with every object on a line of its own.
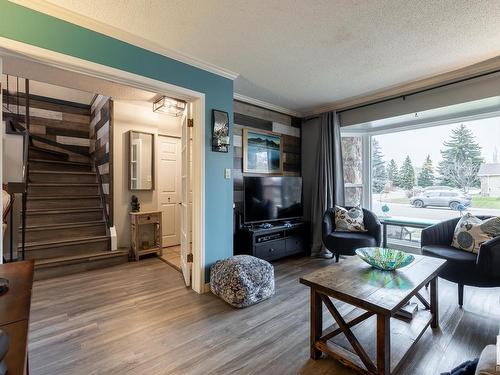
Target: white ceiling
[{"x": 302, "y": 55}]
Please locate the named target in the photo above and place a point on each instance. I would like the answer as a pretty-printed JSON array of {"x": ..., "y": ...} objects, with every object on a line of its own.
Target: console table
[
  {"x": 275, "y": 242},
  {"x": 146, "y": 233},
  {"x": 15, "y": 313}
]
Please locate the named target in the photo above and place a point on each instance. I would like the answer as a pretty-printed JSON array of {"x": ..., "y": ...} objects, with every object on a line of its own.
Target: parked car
[
  {"x": 439, "y": 187},
  {"x": 441, "y": 198}
]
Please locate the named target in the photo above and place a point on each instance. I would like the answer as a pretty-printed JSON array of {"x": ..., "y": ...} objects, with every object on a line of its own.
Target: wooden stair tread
[
  {"x": 62, "y": 184},
  {"x": 76, "y": 149},
  {"x": 64, "y": 225},
  {"x": 39, "y": 263},
  {"x": 60, "y": 162},
  {"x": 59, "y": 242},
  {"x": 62, "y": 172},
  {"x": 62, "y": 210},
  {"x": 49, "y": 197},
  {"x": 52, "y": 152}
]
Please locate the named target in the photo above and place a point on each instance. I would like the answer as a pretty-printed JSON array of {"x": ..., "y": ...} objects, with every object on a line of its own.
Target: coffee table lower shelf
[{"x": 403, "y": 337}]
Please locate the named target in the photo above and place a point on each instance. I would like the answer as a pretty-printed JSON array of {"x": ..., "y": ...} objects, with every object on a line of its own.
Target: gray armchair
[
  {"x": 346, "y": 243},
  {"x": 463, "y": 267}
]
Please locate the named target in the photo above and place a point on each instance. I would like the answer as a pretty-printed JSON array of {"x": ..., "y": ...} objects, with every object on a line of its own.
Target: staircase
[{"x": 66, "y": 229}]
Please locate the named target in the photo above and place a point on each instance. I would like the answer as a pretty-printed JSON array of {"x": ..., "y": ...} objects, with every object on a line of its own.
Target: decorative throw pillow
[
  {"x": 471, "y": 232},
  {"x": 349, "y": 220}
]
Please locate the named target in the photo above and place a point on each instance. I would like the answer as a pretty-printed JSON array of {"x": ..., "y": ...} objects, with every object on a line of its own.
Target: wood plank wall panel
[
  {"x": 247, "y": 116},
  {"x": 100, "y": 146},
  {"x": 61, "y": 122}
]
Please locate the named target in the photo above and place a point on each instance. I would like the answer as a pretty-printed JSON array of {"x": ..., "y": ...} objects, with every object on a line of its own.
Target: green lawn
[{"x": 486, "y": 202}]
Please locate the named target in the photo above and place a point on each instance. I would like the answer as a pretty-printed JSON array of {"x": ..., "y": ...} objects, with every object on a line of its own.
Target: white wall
[
  {"x": 139, "y": 116},
  {"x": 12, "y": 162}
]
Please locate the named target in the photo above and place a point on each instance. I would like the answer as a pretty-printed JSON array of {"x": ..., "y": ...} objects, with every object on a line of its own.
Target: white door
[
  {"x": 1, "y": 158},
  {"x": 169, "y": 182},
  {"x": 186, "y": 198}
]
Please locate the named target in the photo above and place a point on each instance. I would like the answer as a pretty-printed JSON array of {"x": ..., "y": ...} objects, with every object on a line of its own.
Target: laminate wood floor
[
  {"x": 138, "y": 318},
  {"x": 172, "y": 256}
]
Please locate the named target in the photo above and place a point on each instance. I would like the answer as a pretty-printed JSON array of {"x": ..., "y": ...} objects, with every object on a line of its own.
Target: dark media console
[{"x": 280, "y": 240}]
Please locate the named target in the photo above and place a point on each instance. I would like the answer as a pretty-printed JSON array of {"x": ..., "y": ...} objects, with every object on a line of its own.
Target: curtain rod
[{"x": 413, "y": 93}]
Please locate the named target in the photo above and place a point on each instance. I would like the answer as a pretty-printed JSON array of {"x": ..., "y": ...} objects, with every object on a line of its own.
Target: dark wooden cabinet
[
  {"x": 273, "y": 243},
  {"x": 15, "y": 313}
]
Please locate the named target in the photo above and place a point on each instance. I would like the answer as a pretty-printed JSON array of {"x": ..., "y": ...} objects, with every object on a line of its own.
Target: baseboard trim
[{"x": 206, "y": 288}]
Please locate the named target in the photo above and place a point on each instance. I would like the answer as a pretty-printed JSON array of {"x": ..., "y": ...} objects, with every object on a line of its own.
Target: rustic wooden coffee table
[{"x": 376, "y": 296}]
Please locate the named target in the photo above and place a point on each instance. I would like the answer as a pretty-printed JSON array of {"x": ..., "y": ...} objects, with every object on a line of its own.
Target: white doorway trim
[{"x": 10, "y": 47}]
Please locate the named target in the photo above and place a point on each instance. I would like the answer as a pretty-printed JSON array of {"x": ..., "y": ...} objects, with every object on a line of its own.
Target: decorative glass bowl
[{"x": 385, "y": 259}]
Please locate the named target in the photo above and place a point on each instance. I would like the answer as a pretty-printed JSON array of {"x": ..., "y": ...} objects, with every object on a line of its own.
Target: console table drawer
[
  {"x": 294, "y": 244},
  {"x": 270, "y": 250},
  {"x": 148, "y": 219}
]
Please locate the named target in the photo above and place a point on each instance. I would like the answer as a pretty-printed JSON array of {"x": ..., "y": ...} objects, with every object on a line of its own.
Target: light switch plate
[{"x": 227, "y": 173}]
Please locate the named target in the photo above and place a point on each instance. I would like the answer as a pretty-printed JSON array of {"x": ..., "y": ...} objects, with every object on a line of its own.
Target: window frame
[
  {"x": 367, "y": 135},
  {"x": 366, "y": 160}
]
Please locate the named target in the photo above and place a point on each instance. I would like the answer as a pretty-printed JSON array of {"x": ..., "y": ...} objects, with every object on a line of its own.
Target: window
[
  {"x": 436, "y": 173},
  {"x": 352, "y": 155}
]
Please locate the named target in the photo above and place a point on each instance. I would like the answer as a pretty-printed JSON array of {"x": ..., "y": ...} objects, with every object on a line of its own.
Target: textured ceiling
[{"x": 306, "y": 54}]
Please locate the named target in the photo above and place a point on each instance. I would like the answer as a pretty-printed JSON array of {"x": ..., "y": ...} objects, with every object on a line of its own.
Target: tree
[
  {"x": 407, "y": 174},
  {"x": 379, "y": 174},
  {"x": 393, "y": 173},
  {"x": 426, "y": 175},
  {"x": 461, "y": 159}
]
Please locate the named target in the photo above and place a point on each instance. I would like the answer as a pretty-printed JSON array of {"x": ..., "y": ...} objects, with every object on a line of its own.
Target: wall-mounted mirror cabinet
[{"x": 141, "y": 161}]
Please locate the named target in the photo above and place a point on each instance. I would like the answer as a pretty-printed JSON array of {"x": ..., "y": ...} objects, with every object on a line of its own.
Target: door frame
[{"x": 29, "y": 52}]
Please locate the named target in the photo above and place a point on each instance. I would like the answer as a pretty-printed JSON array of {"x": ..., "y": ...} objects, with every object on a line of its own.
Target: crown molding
[
  {"x": 469, "y": 71},
  {"x": 266, "y": 105},
  {"x": 114, "y": 32}
]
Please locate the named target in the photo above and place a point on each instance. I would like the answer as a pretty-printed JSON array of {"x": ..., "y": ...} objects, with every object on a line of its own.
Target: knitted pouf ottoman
[{"x": 242, "y": 280}]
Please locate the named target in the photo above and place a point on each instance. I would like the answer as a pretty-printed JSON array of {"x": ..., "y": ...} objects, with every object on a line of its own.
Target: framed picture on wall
[
  {"x": 262, "y": 152},
  {"x": 220, "y": 131}
]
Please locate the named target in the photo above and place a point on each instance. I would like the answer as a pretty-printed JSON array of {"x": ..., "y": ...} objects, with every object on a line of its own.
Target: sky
[{"x": 421, "y": 142}]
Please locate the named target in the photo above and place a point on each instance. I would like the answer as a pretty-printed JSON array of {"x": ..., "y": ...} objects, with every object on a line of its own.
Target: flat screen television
[{"x": 272, "y": 198}]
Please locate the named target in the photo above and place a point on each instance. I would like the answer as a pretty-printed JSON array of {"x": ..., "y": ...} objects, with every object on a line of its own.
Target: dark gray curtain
[{"x": 328, "y": 177}]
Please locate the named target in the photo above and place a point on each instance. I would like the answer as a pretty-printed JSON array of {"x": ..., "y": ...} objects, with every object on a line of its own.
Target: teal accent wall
[{"x": 38, "y": 29}]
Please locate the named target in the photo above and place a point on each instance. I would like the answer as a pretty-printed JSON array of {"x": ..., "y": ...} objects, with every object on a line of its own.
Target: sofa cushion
[
  {"x": 449, "y": 253},
  {"x": 348, "y": 242},
  {"x": 349, "y": 220},
  {"x": 471, "y": 232},
  {"x": 242, "y": 280}
]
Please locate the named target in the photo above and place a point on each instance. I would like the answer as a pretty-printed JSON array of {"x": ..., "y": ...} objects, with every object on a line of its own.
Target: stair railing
[
  {"x": 26, "y": 170},
  {"x": 14, "y": 125},
  {"x": 102, "y": 195}
]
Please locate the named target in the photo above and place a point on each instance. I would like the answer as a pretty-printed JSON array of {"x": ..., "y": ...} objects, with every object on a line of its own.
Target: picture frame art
[{"x": 262, "y": 152}]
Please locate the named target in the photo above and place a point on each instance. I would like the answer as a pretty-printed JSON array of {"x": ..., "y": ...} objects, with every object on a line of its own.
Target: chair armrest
[
  {"x": 488, "y": 259},
  {"x": 328, "y": 225},
  {"x": 372, "y": 225},
  {"x": 439, "y": 234}
]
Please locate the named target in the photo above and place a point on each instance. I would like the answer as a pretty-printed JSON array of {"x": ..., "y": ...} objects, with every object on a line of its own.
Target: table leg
[
  {"x": 384, "y": 235},
  {"x": 434, "y": 303},
  {"x": 316, "y": 323},
  {"x": 383, "y": 344}
]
